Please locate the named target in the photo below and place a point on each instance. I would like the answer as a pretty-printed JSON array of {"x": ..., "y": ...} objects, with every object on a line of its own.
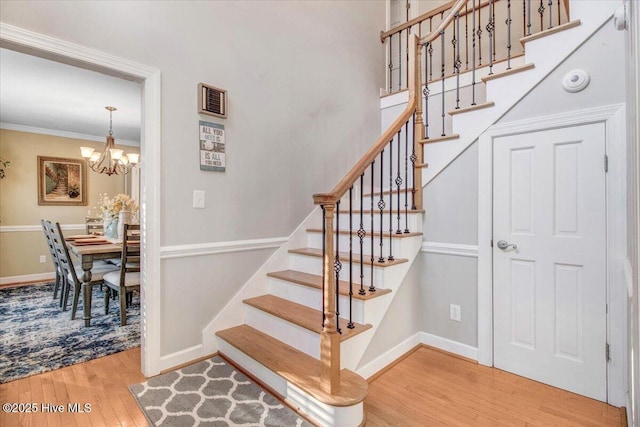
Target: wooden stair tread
[
  {"x": 344, "y": 256},
  {"x": 301, "y": 315},
  {"x": 315, "y": 281},
  {"x": 375, "y": 233},
  {"x": 439, "y": 139},
  {"x": 550, "y": 31},
  {"x": 472, "y": 108},
  {"x": 294, "y": 366},
  {"x": 513, "y": 70}
]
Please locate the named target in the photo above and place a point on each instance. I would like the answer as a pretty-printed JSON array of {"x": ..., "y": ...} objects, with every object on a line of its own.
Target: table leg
[{"x": 86, "y": 290}]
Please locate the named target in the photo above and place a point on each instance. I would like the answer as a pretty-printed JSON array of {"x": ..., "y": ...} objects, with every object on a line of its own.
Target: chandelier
[{"x": 111, "y": 161}]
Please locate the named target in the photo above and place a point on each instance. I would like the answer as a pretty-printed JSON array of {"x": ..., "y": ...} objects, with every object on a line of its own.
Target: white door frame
[
  {"x": 613, "y": 116},
  {"x": 19, "y": 39}
]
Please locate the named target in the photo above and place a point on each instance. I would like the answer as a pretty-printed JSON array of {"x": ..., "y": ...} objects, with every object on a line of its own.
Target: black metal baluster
[
  {"x": 361, "y": 234},
  {"x": 413, "y": 171},
  {"x": 350, "y": 325},
  {"x": 390, "y": 258},
  {"x": 337, "y": 266},
  {"x": 493, "y": 20},
  {"x": 541, "y": 13},
  {"x": 508, "y": 22},
  {"x": 456, "y": 61},
  {"x": 473, "y": 55},
  {"x": 390, "y": 65},
  {"x": 371, "y": 285},
  {"x": 399, "y": 178},
  {"x": 400, "y": 60},
  {"x": 479, "y": 32},
  {"x": 442, "y": 77},
  {"x": 559, "y": 13},
  {"x": 490, "y": 27},
  {"x": 430, "y": 50},
  {"x": 381, "y": 203},
  {"x": 550, "y": 14},
  {"x": 425, "y": 91},
  {"x": 406, "y": 179},
  {"x": 528, "y": 17},
  {"x": 466, "y": 35}
]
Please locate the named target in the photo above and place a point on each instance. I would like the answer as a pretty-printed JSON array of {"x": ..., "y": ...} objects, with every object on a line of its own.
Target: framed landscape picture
[{"x": 62, "y": 182}]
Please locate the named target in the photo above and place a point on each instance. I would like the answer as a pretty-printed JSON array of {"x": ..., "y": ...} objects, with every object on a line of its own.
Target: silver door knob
[{"x": 503, "y": 244}]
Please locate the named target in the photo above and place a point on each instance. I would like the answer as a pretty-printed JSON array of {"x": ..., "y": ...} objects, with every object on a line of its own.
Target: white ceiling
[{"x": 44, "y": 96}]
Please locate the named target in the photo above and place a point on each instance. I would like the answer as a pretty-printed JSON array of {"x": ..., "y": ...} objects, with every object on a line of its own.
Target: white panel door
[{"x": 549, "y": 289}]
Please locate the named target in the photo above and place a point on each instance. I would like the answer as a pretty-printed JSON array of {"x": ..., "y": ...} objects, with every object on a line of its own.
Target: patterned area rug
[
  {"x": 211, "y": 393},
  {"x": 37, "y": 336}
]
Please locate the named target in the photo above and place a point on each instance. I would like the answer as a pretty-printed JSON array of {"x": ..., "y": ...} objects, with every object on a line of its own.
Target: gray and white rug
[{"x": 211, "y": 393}]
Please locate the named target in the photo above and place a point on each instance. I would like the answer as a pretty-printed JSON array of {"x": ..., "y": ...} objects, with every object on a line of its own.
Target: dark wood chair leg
[
  {"x": 123, "y": 307},
  {"x": 76, "y": 297},
  {"x": 107, "y": 297},
  {"x": 65, "y": 297}
]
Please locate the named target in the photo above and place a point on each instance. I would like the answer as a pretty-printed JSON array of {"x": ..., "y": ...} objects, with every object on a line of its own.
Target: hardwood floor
[
  {"x": 427, "y": 388},
  {"x": 433, "y": 388}
]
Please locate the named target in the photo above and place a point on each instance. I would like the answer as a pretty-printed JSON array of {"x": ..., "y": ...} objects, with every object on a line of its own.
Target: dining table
[{"x": 87, "y": 254}]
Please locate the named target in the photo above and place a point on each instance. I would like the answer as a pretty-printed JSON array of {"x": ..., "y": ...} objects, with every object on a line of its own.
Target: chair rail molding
[
  {"x": 613, "y": 116},
  {"x": 450, "y": 249},
  {"x": 30, "y": 228},
  {"x": 26, "y": 41},
  {"x": 213, "y": 248}
]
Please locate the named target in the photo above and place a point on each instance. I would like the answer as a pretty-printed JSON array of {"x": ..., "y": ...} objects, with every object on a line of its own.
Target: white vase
[{"x": 124, "y": 217}]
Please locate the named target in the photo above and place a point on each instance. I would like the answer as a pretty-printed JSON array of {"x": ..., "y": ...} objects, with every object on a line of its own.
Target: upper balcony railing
[{"x": 486, "y": 34}]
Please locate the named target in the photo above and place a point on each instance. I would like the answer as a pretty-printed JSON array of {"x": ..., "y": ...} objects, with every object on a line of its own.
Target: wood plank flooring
[
  {"x": 433, "y": 388},
  {"x": 427, "y": 388}
]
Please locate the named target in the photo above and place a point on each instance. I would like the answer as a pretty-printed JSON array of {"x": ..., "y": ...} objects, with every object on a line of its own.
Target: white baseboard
[
  {"x": 27, "y": 278},
  {"x": 380, "y": 362},
  {"x": 451, "y": 346},
  {"x": 181, "y": 357}
]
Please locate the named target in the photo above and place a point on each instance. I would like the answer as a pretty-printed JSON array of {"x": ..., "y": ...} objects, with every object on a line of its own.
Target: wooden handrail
[
  {"x": 445, "y": 22},
  {"x": 416, "y": 20},
  {"x": 360, "y": 167}
]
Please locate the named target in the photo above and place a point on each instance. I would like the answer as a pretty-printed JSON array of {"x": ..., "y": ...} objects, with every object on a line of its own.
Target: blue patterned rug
[{"x": 37, "y": 336}]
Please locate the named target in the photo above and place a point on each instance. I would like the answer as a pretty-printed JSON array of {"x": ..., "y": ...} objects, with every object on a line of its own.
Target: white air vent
[{"x": 212, "y": 101}]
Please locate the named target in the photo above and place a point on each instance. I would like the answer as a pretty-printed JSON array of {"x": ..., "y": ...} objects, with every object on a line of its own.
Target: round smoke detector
[{"x": 575, "y": 81}]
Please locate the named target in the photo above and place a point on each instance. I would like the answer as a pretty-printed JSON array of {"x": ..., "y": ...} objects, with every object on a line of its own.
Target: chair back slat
[
  {"x": 62, "y": 252},
  {"x": 130, "y": 250},
  {"x": 46, "y": 225},
  {"x": 94, "y": 225}
]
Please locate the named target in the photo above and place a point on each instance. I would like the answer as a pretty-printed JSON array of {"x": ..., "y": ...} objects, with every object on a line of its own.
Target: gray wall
[{"x": 303, "y": 80}]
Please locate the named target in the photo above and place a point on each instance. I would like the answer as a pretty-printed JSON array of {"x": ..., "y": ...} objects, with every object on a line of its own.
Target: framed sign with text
[{"x": 212, "y": 147}]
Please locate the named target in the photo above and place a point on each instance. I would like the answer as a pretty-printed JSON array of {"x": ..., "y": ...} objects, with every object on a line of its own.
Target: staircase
[{"x": 303, "y": 322}]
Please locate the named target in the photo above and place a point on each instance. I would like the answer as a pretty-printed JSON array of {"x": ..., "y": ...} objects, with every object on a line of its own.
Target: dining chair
[
  {"x": 127, "y": 279},
  {"x": 70, "y": 272},
  {"x": 94, "y": 225},
  {"x": 54, "y": 259}
]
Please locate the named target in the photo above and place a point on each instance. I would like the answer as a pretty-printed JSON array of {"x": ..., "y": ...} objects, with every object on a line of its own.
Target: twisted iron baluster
[
  {"x": 528, "y": 17},
  {"x": 541, "y": 13},
  {"x": 371, "y": 286},
  {"x": 442, "y": 45},
  {"x": 399, "y": 178},
  {"x": 337, "y": 266},
  {"x": 413, "y": 171},
  {"x": 400, "y": 60},
  {"x": 381, "y": 203},
  {"x": 473, "y": 56},
  {"x": 456, "y": 62},
  {"x": 430, "y": 50},
  {"x": 479, "y": 32},
  {"x": 350, "y": 325},
  {"x": 550, "y": 14},
  {"x": 508, "y": 22},
  {"x": 466, "y": 35},
  {"x": 406, "y": 179},
  {"x": 425, "y": 92},
  {"x": 361, "y": 234},
  {"x": 390, "y": 65},
  {"x": 490, "y": 27}
]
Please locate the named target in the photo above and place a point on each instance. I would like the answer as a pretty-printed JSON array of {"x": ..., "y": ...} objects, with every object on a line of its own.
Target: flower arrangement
[{"x": 111, "y": 207}]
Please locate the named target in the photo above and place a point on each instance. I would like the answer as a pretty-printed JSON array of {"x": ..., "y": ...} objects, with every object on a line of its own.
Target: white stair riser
[
  {"x": 303, "y": 339},
  {"x": 413, "y": 221},
  {"x": 315, "y": 241},
  {"x": 312, "y": 297},
  {"x": 322, "y": 414},
  {"x": 313, "y": 265}
]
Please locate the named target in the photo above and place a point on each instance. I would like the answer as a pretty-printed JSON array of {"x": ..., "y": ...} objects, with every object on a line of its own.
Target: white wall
[{"x": 302, "y": 79}]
